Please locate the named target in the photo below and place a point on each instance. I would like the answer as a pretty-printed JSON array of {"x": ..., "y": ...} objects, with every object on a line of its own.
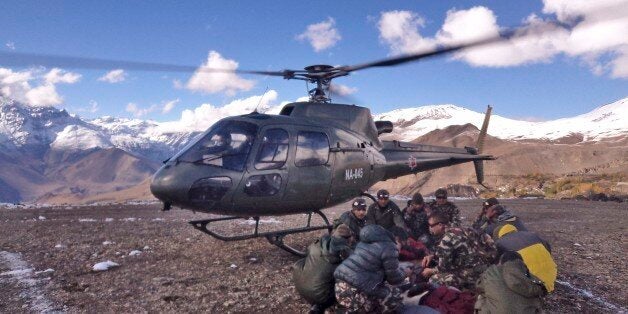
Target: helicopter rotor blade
[
  {"x": 611, "y": 12},
  {"x": 32, "y": 59}
]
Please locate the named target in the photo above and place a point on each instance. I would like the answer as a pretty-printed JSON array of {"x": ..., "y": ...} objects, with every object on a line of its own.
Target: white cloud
[
  {"x": 321, "y": 35},
  {"x": 400, "y": 31},
  {"x": 114, "y": 76},
  {"x": 600, "y": 32},
  {"x": 169, "y": 105},
  {"x": 43, "y": 95},
  {"x": 200, "y": 118},
  {"x": 10, "y": 45},
  {"x": 343, "y": 90},
  {"x": 57, "y": 75},
  {"x": 214, "y": 82},
  {"x": 34, "y": 86},
  {"x": 137, "y": 111}
]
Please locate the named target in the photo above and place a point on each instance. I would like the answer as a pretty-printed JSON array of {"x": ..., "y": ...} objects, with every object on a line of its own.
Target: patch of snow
[
  {"x": 130, "y": 219},
  {"x": 107, "y": 243},
  {"x": 87, "y": 220},
  {"x": 233, "y": 266},
  {"x": 23, "y": 275},
  {"x": 251, "y": 221},
  {"x": 158, "y": 219},
  {"x": 108, "y": 219},
  {"x": 146, "y": 248},
  {"x": 103, "y": 266},
  {"x": 41, "y": 218},
  {"x": 60, "y": 246},
  {"x": 49, "y": 270},
  {"x": 135, "y": 253},
  {"x": 588, "y": 294},
  {"x": 577, "y": 244}
]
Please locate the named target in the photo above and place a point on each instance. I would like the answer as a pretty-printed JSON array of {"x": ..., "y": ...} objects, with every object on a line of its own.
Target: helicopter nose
[{"x": 166, "y": 187}]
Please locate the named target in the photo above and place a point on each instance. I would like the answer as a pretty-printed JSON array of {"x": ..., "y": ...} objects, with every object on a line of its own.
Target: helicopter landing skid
[{"x": 274, "y": 237}]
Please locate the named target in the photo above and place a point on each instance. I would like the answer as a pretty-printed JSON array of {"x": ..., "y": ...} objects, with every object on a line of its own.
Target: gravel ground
[{"x": 47, "y": 257}]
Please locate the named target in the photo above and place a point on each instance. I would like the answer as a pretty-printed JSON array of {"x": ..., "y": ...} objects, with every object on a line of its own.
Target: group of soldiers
[{"x": 382, "y": 259}]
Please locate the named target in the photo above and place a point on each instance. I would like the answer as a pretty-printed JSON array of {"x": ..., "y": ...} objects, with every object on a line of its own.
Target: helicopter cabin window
[
  {"x": 273, "y": 150},
  {"x": 226, "y": 145},
  {"x": 312, "y": 149}
]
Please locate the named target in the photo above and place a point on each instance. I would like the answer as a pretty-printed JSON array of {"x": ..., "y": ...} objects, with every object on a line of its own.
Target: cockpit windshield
[{"x": 227, "y": 145}]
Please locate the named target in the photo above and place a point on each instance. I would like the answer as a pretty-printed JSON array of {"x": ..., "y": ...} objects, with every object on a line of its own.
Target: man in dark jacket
[
  {"x": 355, "y": 219},
  {"x": 365, "y": 280},
  {"x": 314, "y": 275},
  {"x": 384, "y": 212},
  {"x": 415, "y": 218},
  {"x": 481, "y": 221},
  {"x": 498, "y": 217}
]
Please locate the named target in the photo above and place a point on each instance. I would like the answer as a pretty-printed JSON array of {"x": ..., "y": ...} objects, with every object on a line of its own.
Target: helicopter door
[
  {"x": 267, "y": 173},
  {"x": 309, "y": 179}
]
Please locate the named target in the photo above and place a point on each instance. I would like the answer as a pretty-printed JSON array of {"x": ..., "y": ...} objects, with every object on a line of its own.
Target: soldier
[
  {"x": 526, "y": 272},
  {"x": 440, "y": 204},
  {"x": 384, "y": 212},
  {"x": 365, "y": 281},
  {"x": 462, "y": 254},
  {"x": 355, "y": 219},
  {"x": 498, "y": 217},
  {"x": 481, "y": 222},
  {"x": 415, "y": 218},
  {"x": 314, "y": 275}
]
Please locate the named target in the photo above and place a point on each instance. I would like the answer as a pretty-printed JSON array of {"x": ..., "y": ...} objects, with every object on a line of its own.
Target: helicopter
[{"x": 313, "y": 155}]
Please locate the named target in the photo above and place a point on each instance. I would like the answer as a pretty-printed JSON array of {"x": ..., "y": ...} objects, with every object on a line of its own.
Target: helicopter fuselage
[{"x": 311, "y": 156}]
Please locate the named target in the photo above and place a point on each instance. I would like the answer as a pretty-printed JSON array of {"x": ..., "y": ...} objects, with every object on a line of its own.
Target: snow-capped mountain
[
  {"x": 604, "y": 122},
  {"x": 37, "y": 130}
]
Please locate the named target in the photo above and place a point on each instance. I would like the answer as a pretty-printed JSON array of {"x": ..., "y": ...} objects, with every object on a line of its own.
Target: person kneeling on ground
[
  {"x": 314, "y": 275},
  {"x": 502, "y": 220},
  {"x": 365, "y": 281},
  {"x": 462, "y": 254},
  {"x": 526, "y": 272},
  {"x": 355, "y": 219}
]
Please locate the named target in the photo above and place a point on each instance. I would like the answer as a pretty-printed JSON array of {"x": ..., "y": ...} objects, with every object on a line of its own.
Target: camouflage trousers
[
  {"x": 352, "y": 300},
  {"x": 464, "y": 279}
]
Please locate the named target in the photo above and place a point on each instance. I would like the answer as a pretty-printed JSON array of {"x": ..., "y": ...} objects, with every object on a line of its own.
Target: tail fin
[{"x": 479, "y": 164}]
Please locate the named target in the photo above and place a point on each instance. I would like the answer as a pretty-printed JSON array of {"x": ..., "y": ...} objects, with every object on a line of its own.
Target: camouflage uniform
[
  {"x": 462, "y": 254},
  {"x": 480, "y": 223},
  {"x": 352, "y": 300},
  {"x": 448, "y": 209}
]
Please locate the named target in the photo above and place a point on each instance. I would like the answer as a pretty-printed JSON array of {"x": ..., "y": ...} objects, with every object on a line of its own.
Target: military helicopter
[{"x": 312, "y": 155}]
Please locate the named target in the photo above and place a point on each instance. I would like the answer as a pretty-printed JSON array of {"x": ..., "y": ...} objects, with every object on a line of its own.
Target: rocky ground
[{"x": 47, "y": 257}]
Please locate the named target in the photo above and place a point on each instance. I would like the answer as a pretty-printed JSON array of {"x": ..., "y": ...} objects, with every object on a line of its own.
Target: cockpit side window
[
  {"x": 312, "y": 149},
  {"x": 273, "y": 150},
  {"x": 226, "y": 145}
]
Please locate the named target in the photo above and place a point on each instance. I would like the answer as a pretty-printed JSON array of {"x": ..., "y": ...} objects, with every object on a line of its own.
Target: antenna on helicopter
[{"x": 260, "y": 100}]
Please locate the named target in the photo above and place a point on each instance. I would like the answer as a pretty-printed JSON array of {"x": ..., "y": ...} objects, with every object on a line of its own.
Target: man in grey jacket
[{"x": 365, "y": 281}]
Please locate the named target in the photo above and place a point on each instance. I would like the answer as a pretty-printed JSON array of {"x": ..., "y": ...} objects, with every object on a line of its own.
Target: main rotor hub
[{"x": 321, "y": 74}]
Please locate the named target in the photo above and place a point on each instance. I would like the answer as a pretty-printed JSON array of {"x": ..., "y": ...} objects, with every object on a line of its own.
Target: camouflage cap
[
  {"x": 342, "y": 231},
  {"x": 359, "y": 203},
  {"x": 440, "y": 193},
  {"x": 417, "y": 198}
]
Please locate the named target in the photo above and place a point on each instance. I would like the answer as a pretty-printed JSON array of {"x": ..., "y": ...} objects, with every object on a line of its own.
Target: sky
[{"x": 566, "y": 72}]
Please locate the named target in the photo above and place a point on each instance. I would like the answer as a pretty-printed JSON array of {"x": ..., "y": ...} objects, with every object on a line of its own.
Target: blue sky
[{"x": 568, "y": 79}]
